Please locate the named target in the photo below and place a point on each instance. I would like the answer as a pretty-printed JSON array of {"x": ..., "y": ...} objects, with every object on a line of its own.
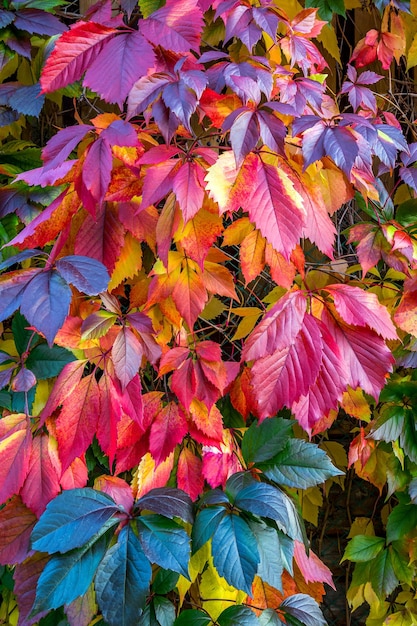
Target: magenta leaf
[
  {"x": 60, "y": 146},
  {"x": 45, "y": 303},
  {"x": 176, "y": 26},
  {"x": 126, "y": 355},
  {"x": 87, "y": 275},
  {"x": 125, "y": 58},
  {"x": 96, "y": 174},
  {"x": 144, "y": 92},
  {"x": 120, "y": 133}
]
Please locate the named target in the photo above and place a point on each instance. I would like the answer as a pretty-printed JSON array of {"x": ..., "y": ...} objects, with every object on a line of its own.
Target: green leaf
[
  {"x": 363, "y": 548},
  {"x": 303, "y": 608},
  {"x": 401, "y": 521},
  {"x": 300, "y": 464},
  {"x": 400, "y": 562},
  {"x": 235, "y": 553},
  {"x": 6, "y": 400},
  {"x": 382, "y": 575},
  {"x": 72, "y": 519},
  {"x": 192, "y": 617},
  {"x": 46, "y": 362},
  {"x": 327, "y": 8},
  {"x": 148, "y": 7},
  {"x": 68, "y": 576},
  {"x": 269, "y": 617},
  {"x": 21, "y": 336},
  {"x": 122, "y": 580},
  {"x": 165, "y": 581},
  {"x": 205, "y": 525},
  {"x": 408, "y": 438},
  {"x": 165, "y": 543},
  {"x": 390, "y": 424},
  {"x": 237, "y": 616},
  {"x": 263, "y": 441},
  {"x": 406, "y": 212},
  {"x": 164, "y": 611},
  {"x": 269, "y": 548}
]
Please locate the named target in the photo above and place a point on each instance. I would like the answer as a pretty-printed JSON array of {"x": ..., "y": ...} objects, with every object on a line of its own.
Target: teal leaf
[
  {"x": 122, "y": 580},
  {"x": 72, "y": 519},
  {"x": 205, "y": 525},
  {"x": 165, "y": 543},
  {"x": 238, "y": 615},
  {"x": 300, "y": 465},
  {"x": 192, "y": 617},
  {"x": 46, "y": 362},
  {"x": 263, "y": 441},
  {"x": 266, "y": 501},
  {"x": 164, "y": 611},
  {"x": 304, "y": 608},
  {"x": 235, "y": 553},
  {"x": 169, "y": 502},
  {"x": 270, "y": 563},
  {"x": 68, "y": 576},
  {"x": 269, "y": 617}
]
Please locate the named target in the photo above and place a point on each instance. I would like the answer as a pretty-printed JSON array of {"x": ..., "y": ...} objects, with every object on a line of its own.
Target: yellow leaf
[
  {"x": 355, "y": 404},
  {"x": 362, "y": 526},
  {"x": 217, "y": 594},
  {"x": 401, "y": 618},
  {"x": 128, "y": 264},
  {"x": 41, "y": 396},
  {"x": 213, "y": 309},
  {"x": 330, "y": 42},
  {"x": 196, "y": 565},
  {"x": 147, "y": 476},
  {"x": 291, "y": 7},
  {"x": 250, "y": 317},
  {"x": 273, "y": 296},
  {"x": 311, "y": 500},
  {"x": 237, "y": 231}
]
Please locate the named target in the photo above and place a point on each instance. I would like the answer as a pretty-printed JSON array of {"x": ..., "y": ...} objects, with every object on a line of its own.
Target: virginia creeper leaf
[
  {"x": 126, "y": 355},
  {"x": 16, "y": 524},
  {"x": 175, "y": 27},
  {"x": 264, "y": 440},
  {"x": 303, "y": 608},
  {"x": 46, "y": 362},
  {"x": 237, "y": 616},
  {"x": 164, "y": 542},
  {"x": 168, "y": 502}
]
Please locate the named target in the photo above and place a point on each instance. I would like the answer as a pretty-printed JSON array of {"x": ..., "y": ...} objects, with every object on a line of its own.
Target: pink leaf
[
  {"x": 311, "y": 567},
  {"x": 15, "y": 449},
  {"x": 42, "y": 481},
  {"x": 16, "y": 524},
  {"x": 168, "y": 429},
  {"x": 176, "y": 26},
  {"x": 188, "y": 189},
  {"x": 189, "y": 474},
  {"x": 126, "y": 355}
]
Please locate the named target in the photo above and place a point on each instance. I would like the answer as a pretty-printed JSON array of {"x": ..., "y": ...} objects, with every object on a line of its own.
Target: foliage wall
[{"x": 208, "y": 298}]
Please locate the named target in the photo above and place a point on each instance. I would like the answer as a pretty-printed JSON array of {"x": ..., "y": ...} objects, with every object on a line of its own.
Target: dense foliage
[{"x": 208, "y": 219}]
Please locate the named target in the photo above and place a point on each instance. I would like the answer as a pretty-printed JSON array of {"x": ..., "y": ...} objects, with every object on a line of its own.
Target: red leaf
[
  {"x": 73, "y": 53},
  {"x": 116, "y": 488},
  {"x": 26, "y": 577},
  {"x": 16, "y": 524},
  {"x": 168, "y": 429},
  {"x": 109, "y": 415},
  {"x": 76, "y": 475},
  {"x": 311, "y": 567},
  {"x": 175, "y": 26},
  {"x": 189, "y": 474},
  {"x": 220, "y": 461},
  {"x": 126, "y": 355},
  {"x": 125, "y": 59},
  {"x": 64, "y": 386},
  {"x": 76, "y": 424},
  {"x": 189, "y": 294},
  {"x": 205, "y": 426},
  {"x": 15, "y": 449},
  {"x": 188, "y": 188},
  {"x": 42, "y": 482}
]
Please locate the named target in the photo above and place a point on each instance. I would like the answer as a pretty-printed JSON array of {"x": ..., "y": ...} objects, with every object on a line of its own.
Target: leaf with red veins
[
  {"x": 188, "y": 186},
  {"x": 16, "y": 525},
  {"x": 74, "y": 52},
  {"x": 76, "y": 424},
  {"x": 125, "y": 58},
  {"x": 172, "y": 360},
  {"x": 306, "y": 23},
  {"x": 189, "y": 294},
  {"x": 362, "y": 308},
  {"x": 42, "y": 482},
  {"x": 159, "y": 181},
  {"x": 168, "y": 429},
  {"x": 189, "y": 474},
  {"x": 324, "y": 394},
  {"x": 278, "y": 328},
  {"x": 281, "y": 378},
  {"x": 368, "y": 359},
  {"x": 126, "y": 355},
  {"x": 175, "y": 26}
]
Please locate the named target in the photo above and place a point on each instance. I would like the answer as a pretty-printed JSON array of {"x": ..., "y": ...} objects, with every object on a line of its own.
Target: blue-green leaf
[
  {"x": 269, "y": 617},
  {"x": 164, "y": 611},
  {"x": 122, "y": 580},
  {"x": 68, "y": 576},
  {"x": 165, "y": 543},
  {"x": 270, "y": 564},
  {"x": 72, "y": 519},
  {"x": 235, "y": 553},
  {"x": 165, "y": 581},
  {"x": 168, "y": 502},
  {"x": 238, "y": 615},
  {"x": 192, "y": 617},
  {"x": 263, "y": 441},
  {"x": 46, "y": 362},
  {"x": 205, "y": 525},
  {"x": 266, "y": 501},
  {"x": 304, "y": 608},
  {"x": 301, "y": 465}
]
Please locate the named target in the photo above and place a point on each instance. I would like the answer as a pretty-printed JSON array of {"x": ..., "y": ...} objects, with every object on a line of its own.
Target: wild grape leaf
[
  {"x": 68, "y": 576},
  {"x": 86, "y": 274},
  {"x": 72, "y": 519},
  {"x": 26, "y": 576},
  {"x": 237, "y": 616},
  {"x": 74, "y": 51},
  {"x": 235, "y": 553},
  {"x": 126, "y": 355},
  {"x": 46, "y": 362},
  {"x": 164, "y": 542},
  {"x": 95, "y": 178},
  {"x": 174, "y": 27},
  {"x": 125, "y": 58},
  {"x": 252, "y": 255},
  {"x": 144, "y": 92},
  {"x": 363, "y": 548},
  {"x": 38, "y": 22},
  {"x": 168, "y": 429},
  {"x": 15, "y": 447},
  {"x": 304, "y": 608},
  {"x": 24, "y": 380},
  {"x": 16, "y": 524},
  {"x": 122, "y": 580},
  {"x": 76, "y": 424},
  {"x": 42, "y": 481},
  {"x": 300, "y": 464},
  {"x": 45, "y": 303},
  {"x": 169, "y": 502}
]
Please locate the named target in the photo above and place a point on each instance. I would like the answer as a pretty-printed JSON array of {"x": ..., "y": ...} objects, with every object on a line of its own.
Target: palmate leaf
[
  {"x": 206, "y": 524},
  {"x": 303, "y": 608},
  {"x": 164, "y": 542},
  {"x": 270, "y": 566},
  {"x": 264, "y": 440},
  {"x": 122, "y": 580},
  {"x": 169, "y": 502}
]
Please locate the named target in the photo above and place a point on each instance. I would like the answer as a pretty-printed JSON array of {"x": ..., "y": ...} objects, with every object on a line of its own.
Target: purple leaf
[
  {"x": 120, "y": 133},
  {"x": 272, "y": 130},
  {"x": 44, "y": 176},
  {"x": 389, "y": 141},
  {"x": 96, "y": 174},
  {"x": 5, "y": 376},
  {"x": 176, "y": 26},
  {"x": 313, "y": 142},
  {"x": 180, "y": 100},
  {"x": 144, "y": 92},
  {"x": 27, "y": 99},
  {"x": 8, "y": 117},
  {"x": 87, "y": 275},
  {"x": 126, "y": 356},
  {"x": 45, "y": 303},
  {"x": 244, "y": 135},
  {"x": 24, "y": 380},
  {"x": 266, "y": 20},
  {"x": 39, "y": 22},
  {"x": 60, "y": 146},
  {"x": 21, "y": 256},
  {"x": 11, "y": 290},
  {"x": 409, "y": 176},
  {"x": 129, "y": 6},
  {"x": 140, "y": 321},
  {"x": 6, "y": 18},
  {"x": 341, "y": 145},
  {"x": 126, "y": 58}
]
